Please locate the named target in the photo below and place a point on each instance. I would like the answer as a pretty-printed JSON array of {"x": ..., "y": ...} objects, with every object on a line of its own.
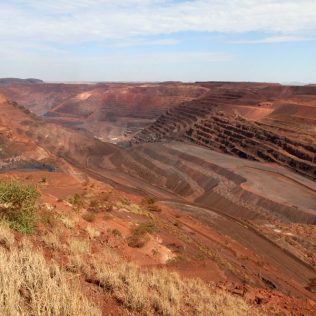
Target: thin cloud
[
  {"x": 80, "y": 21},
  {"x": 276, "y": 39},
  {"x": 144, "y": 42}
]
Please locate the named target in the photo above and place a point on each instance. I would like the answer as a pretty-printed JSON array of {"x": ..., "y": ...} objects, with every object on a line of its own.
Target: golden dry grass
[
  {"x": 30, "y": 286},
  {"x": 79, "y": 246},
  {"x": 6, "y": 235},
  {"x": 92, "y": 232},
  {"x": 52, "y": 241},
  {"x": 160, "y": 292},
  {"x": 68, "y": 222}
]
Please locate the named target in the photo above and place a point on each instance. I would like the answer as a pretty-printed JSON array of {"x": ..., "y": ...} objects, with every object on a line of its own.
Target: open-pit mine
[{"x": 212, "y": 180}]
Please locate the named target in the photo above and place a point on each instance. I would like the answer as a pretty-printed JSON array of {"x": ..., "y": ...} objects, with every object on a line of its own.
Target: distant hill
[{"x": 9, "y": 81}]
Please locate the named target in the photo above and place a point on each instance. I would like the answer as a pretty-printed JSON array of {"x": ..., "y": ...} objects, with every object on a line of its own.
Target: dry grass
[
  {"x": 52, "y": 241},
  {"x": 29, "y": 286},
  {"x": 153, "y": 291},
  {"x": 159, "y": 292},
  {"x": 130, "y": 207},
  {"x": 6, "y": 235},
  {"x": 92, "y": 232},
  {"x": 78, "y": 246},
  {"x": 68, "y": 222},
  {"x": 79, "y": 255}
]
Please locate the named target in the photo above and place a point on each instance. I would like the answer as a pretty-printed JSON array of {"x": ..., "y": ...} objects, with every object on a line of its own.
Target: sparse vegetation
[
  {"x": 148, "y": 200},
  {"x": 115, "y": 232},
  {"x": 6, "y": 235},
  {"x": 160, "y": 292},
  {"x": 150, "y": 204},
  {"x": 96, "y": 206},
  {"x": 52, "y": 241},
  {"x": 68, "y": 222},
  {"x": 92, "y": 232},
  {"x": 131, "y": 207},
  {"x": 93, "y": 206},
  {"x": 18, "y": 205},
  {"x": 38, "y": 287},
  {"x": 49, "y": 218},
  {"x": 139, "y": 235},
  {"x": 78, "y": 246},
  {"x": 77, "y": 202},
  {"x": 30, "y": 286},
  {"x": 89, "y": 217}
]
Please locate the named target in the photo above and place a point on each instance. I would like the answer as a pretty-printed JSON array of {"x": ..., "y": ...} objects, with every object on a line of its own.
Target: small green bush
[
  {"x": 77, "y": 202},
  {"x": 146, "y": 227},
  {"x": 139, "y": 236},
  {"x": 18, "y": 205}
]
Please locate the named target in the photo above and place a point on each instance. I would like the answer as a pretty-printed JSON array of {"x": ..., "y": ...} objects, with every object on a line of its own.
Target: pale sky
[{"x": 143, "y": 40}]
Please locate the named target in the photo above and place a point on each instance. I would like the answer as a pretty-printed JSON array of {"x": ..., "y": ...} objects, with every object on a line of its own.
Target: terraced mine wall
[
  {"x": 276, "y": 138},
  {"x": 201, "y": 181},
  {"x": 174, "y": 122},
  {"x": 254, "y": 141}
]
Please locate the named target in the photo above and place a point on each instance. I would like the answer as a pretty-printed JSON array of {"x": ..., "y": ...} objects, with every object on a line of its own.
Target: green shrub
[
  {"x": 18, "y": 205},
  {"x": 146, "y": 227},
  {"x": 139, "y": 235},
  {"x": 77, "y": 202}
]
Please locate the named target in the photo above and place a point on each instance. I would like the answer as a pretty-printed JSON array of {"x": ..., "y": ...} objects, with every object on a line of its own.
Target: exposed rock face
[
  {"x": 242, "y": 188},
  {"x": 96, "y": 100},
  {"x": 269, "y": 123},
  {"x": 255, "y": 141}
]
